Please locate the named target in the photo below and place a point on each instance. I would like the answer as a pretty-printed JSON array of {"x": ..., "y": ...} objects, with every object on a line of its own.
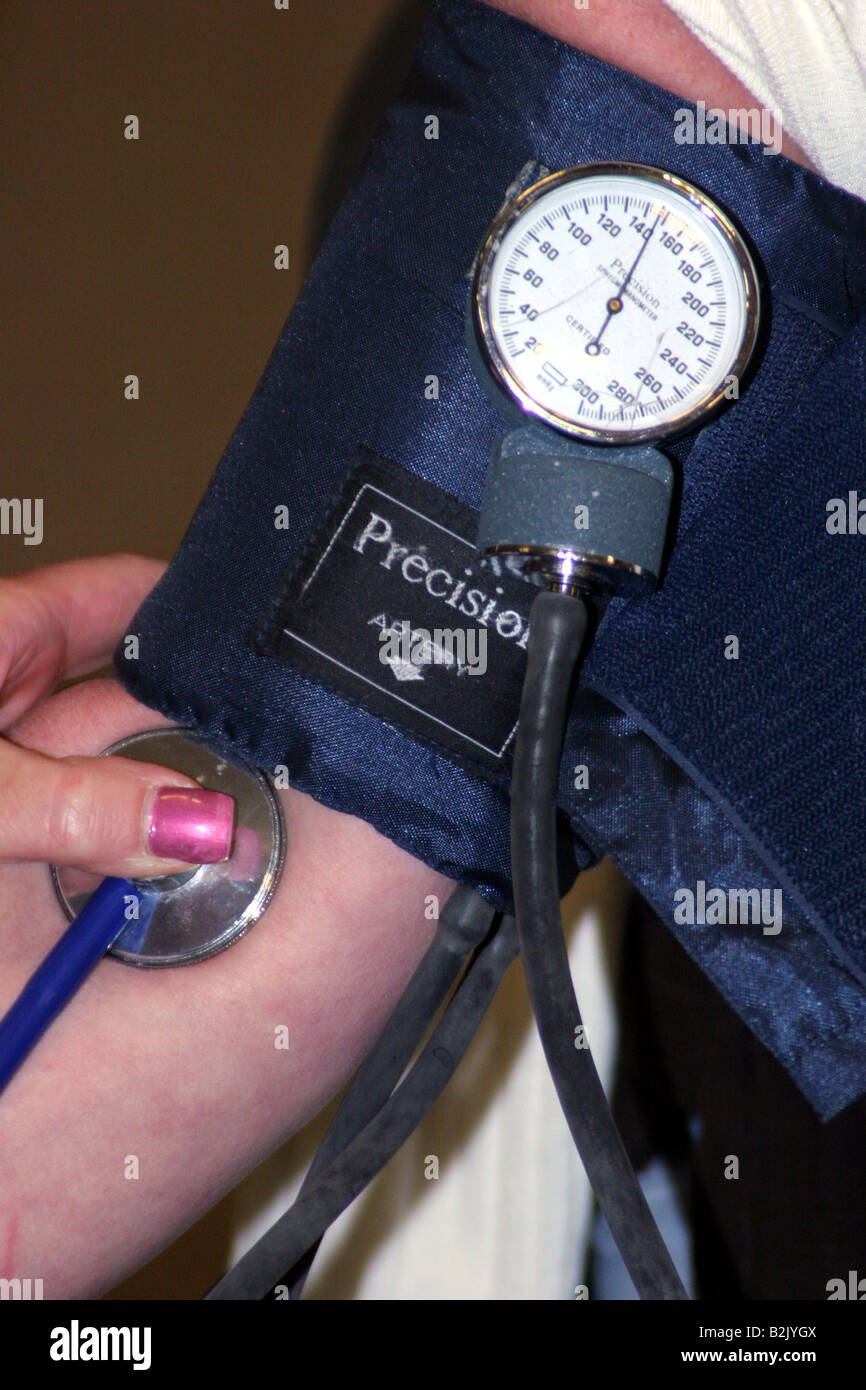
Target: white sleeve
[{"x": 805, "y": 60}]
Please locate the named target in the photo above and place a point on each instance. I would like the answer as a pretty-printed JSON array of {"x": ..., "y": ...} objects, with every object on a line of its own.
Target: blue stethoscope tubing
[{"x": 115, "y": 902}]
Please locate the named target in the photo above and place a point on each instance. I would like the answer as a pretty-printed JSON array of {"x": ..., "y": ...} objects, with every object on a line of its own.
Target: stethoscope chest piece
[{"x": 190, "y": 916}]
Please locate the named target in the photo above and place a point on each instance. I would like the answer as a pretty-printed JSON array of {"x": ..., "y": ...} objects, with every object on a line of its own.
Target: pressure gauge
[{"x": 616, "y": 302}]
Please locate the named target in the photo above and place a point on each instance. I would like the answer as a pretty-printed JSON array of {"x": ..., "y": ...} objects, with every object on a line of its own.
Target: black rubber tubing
[
  {"x": 557, "y": 626},
  {"x": 463, "y": 924},
  {"x": 280, "y": 1248}
]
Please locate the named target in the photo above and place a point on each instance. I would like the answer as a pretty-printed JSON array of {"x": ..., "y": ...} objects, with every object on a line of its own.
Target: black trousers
[{"x": 778, "y": 1199}]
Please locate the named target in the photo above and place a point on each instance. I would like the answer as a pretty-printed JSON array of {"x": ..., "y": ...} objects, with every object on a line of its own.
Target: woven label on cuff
[{"x": 392, "y": 605}]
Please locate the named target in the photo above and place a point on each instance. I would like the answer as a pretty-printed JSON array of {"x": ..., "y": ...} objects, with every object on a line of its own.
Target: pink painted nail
[{"x": 191, "y": 824}]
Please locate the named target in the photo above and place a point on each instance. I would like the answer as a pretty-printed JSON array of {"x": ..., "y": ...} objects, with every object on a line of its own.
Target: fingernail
[{"x": 191, "y": 824}]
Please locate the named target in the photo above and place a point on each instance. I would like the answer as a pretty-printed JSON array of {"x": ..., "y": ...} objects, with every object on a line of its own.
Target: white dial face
[{"x": 617, "y": 305}]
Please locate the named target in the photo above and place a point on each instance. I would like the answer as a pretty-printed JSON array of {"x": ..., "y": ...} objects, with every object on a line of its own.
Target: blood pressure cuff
[{"x": 718, "y": 746}]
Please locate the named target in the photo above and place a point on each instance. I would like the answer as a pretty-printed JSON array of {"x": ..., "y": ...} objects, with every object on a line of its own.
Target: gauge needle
[
  {"x": 655, "y": 352},
  {"x": 583, "y": 289},
  {"x": 615, "y": 304}
]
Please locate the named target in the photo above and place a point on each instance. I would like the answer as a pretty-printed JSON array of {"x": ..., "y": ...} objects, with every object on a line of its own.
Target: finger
[
  {"x": 108, "y": 815},
  {"x": 64, "y": 621}
]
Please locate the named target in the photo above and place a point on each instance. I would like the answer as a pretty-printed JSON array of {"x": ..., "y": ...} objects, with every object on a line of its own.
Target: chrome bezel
[
  {"x": 499, "y": 367},
  {"x": 189, "y": 895}
]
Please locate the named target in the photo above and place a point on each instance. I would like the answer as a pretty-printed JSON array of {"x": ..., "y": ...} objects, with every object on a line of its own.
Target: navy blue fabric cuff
[{"x": 739, "y": 773}]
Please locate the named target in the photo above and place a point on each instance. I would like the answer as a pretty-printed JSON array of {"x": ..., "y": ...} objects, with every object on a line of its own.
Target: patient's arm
[{"x": 178, "y": 1067}]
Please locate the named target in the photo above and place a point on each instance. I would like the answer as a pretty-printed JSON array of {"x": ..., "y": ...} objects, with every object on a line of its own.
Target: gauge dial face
[{"x": 616, "y": 302}]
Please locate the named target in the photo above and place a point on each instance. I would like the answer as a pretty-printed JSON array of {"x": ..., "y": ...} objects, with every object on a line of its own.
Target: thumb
[{"x": 108, "y": 815}]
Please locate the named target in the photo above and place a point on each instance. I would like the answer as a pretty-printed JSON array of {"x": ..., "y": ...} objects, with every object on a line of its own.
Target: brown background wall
[{"x": 156, "y": 257}]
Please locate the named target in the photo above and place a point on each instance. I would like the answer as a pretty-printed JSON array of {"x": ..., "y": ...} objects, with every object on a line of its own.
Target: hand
[{"x": 108, "y": 815}]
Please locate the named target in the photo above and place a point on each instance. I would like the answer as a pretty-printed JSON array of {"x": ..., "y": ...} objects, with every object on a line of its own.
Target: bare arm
[{"x": 178, "y": 1068}]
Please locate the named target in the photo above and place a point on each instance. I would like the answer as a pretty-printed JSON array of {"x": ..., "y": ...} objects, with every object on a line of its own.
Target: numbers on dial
[{"x": 637, "y": 303}]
